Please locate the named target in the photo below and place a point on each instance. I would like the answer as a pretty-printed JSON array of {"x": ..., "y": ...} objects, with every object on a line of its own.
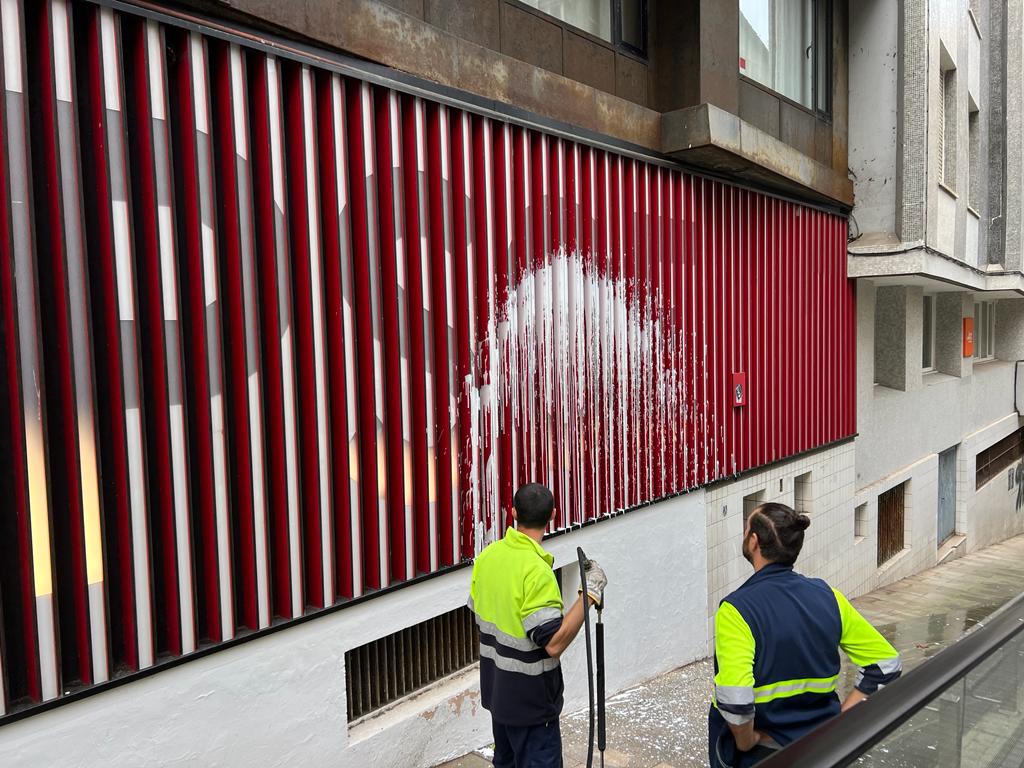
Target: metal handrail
[{"x": 843, "y": 739}]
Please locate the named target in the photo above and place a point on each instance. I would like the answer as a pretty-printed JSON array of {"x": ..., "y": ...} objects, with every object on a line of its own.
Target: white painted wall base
[{"x": 280, "y": 700}]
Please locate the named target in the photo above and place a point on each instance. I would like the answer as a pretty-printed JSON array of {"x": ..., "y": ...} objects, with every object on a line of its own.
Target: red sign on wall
[{"x": 968, "y": 337}]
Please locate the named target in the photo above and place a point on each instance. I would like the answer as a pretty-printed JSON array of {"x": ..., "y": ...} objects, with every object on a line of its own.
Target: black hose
[
  {"x": 590, "y": 659},
  {"x": 600, "y": 685}
]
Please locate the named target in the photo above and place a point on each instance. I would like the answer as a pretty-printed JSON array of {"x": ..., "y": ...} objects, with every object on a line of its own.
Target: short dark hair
[
  {"x": 780, "y": 532},
  {"x": 534, "y": 505}
]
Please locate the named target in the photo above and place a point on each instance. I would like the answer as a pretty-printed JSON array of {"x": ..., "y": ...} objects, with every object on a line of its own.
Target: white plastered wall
[{"x": 280, "y": 700}]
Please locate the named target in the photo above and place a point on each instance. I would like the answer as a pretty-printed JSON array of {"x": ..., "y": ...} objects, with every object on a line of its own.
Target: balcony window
[
  {"x": 928, "y": 334},
  {"x": 984, "y": 330},
  {"x": 785, "y": 45},
  {"x": 623, "y": 22}
]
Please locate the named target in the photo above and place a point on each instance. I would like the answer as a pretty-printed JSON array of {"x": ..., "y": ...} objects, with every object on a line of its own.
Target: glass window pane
[
  {"x": 633, "y": 24},
  {"x": 977, "y": 330},
  {"x": 823, "y": 50},
  {"x": 777, "y": 46},
  {"x": 926, "y": 340},
  {"x": 991, "y": 330},
  {"x": 593, "y": 16}
]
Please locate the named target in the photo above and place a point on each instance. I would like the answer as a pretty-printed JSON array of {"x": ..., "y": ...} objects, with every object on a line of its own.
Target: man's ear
[{"x": 514, "y": 515}]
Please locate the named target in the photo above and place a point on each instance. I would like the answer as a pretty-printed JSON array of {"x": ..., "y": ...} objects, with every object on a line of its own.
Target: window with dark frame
[
  {"x": 620, "y": 22},
  {"x": 786, "y": 45},
  {"x": 974, "y": 159},
  {"x": 984, "y": 330},
  {"x": 891, "y": 521},
  {"x": 991, "y": 462},
  {"x": 928, "y": 333}
]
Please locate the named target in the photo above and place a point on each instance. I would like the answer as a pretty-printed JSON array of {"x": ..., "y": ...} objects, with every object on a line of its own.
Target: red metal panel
[
  {"x": 185, "y": 69},
  {"x": 489, "y": 305},
  {"x": 421, "y": 403},
  {"x": 446, "y": 436},
  {"x": 154, "y": 364},
  {"x": 338, "y": 310},
  {"x": 366, "y": 281},
  {"x": 225, "y": 67},
  {"x": 303, "y": 254},
  {"x": 395, "y": 333},
  {"x": 29, "y": 649},
  {"x": 274, "y": 280},
  {"x": 103, "y": 246}
]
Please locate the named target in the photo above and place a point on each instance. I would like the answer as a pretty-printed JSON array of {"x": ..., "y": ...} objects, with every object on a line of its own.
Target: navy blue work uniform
[{"x": 777, "y": 641}]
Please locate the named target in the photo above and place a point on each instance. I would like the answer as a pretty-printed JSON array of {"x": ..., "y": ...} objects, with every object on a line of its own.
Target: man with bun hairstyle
[{"x": 777, "y": 641}]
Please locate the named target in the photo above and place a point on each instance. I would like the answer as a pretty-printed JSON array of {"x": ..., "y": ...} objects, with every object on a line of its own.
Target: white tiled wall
[
  {"x": 988, "y": 514},
  {"x": 829, "y": 540}
]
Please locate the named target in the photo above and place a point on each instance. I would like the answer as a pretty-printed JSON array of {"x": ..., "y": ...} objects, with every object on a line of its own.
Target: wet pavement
[{"x": 663, "y": 723}]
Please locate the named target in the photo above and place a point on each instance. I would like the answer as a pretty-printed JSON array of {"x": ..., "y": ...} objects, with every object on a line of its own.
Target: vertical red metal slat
[
  {"x": 483, "y": 317},
  {"x": 153, "y": 215},
  {"x": 188, "y": 106},
  {"x": 421, "y": 405},
  {"x": 649, "y": 255},
  {"x": 666, "y": 367},
  {"x": 505, "y": 369},
  {"x": 241, "y": 360},
  {"x": 270, "y": 216},
  {"x": 680, "y": 309},
  {"x": 539, "y": 264},
  {"x": 605, "y": 319},
  {"x": 23, "y": 370},
  {"x": 322, "y": 550},
  {"x": 774, "y": 351},
  {"x": 630, "y": 366},
  {"x": 700, "y": 331},
  {"x": 395, "y": 332},
  {"x": 68, "y": 260},
  {"x": 521, "y": 375},
  {"x": 618, "y": 330},
  {"x": 590, "y": 480},
  {"x": 441, "y": 280},
  {"x": 103, "y": 171},
  {"x": 463, "y": 259},
  {"x": 568, "y": 249},
  {"x": 302, "y": 256},
  {"x": 554, "y": 255},
  {"x": 341, "y": 369},
  {"x": 366, "y": 291},
  {"x": 151, "y": 238}
]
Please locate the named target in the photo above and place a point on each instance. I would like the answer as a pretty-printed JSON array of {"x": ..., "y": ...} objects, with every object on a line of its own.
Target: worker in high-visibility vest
[
  {"x": 777, "y": 641},
  {"x": 518, "y": 607}
]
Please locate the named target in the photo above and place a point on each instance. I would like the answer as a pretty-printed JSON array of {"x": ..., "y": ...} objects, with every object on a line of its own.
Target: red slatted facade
[{"x": 297, "y": 336}]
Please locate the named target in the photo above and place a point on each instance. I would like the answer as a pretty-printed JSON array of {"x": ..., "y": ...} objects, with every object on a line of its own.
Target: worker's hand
[{"x": 596, "y": 582}]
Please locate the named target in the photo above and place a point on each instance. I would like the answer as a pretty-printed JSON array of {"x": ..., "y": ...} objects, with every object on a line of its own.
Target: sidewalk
[{"x": 663, "y": 723}]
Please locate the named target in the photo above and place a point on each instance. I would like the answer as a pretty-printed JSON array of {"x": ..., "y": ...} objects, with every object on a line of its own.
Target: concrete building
[
  {"x": 341, "y": 273},
  {"x": 936, "y": 254}
]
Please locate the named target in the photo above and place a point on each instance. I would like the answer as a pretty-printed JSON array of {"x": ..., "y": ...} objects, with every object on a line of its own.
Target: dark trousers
[{"x": 528, "y": 746}]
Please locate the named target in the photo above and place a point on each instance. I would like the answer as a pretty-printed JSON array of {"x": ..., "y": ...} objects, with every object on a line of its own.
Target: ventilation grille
[
  {"x": 994, "y": 459},
  {"x": 388, "y": 669},
  {"x": 890, "y": 523}
]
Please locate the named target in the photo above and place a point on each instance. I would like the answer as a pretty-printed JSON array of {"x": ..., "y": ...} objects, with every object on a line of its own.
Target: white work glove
[{"x": 596, "y": 582}]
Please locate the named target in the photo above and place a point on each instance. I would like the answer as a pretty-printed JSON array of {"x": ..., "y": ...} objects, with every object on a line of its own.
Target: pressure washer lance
[{"x": 590, "y": 666}]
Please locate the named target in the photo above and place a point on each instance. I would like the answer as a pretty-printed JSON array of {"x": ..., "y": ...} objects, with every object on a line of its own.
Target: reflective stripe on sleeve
[
  {"x": 506, "y": 664},
  {"x": 540, "y": 616}
]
